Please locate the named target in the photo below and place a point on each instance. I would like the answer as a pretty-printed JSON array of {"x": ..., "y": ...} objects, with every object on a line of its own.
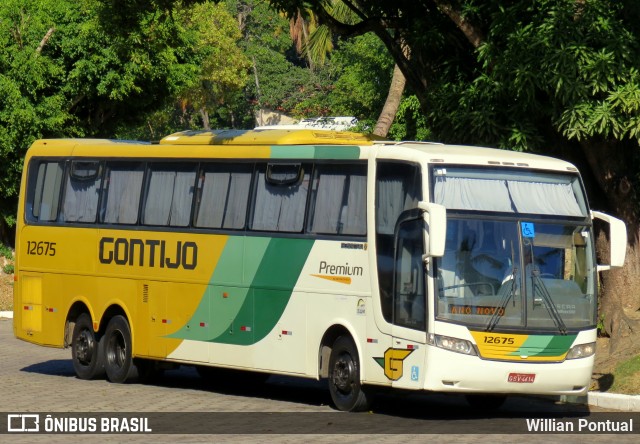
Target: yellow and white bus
[{"x": 316, "y": 254}]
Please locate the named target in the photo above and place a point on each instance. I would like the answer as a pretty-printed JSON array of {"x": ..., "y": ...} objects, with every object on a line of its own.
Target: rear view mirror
[
  {"x": 435, "y": 217},
  {"x": 617, "y": 240}
]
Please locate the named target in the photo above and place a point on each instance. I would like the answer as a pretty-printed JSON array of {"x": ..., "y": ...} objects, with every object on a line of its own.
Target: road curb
[{"x": 613, "y": 401}]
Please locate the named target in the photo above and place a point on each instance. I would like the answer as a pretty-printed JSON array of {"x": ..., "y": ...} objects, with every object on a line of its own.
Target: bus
[{"x": 326, "y": 255}]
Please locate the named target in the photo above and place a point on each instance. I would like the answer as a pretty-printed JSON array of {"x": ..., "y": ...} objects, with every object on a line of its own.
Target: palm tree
[{"x": 316, "y": 42}]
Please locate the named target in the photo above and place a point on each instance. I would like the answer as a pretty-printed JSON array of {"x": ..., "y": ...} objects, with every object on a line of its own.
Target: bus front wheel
[
  {"x": 117, "y": 349},
  {"x": 344, "y": 377},
  {"x": 86, "y": 349}
]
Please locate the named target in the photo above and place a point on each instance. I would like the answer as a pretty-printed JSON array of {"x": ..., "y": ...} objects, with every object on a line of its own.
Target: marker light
[
  {"x": 582, "y": 351},
  {"x": 452, "y": 344}
]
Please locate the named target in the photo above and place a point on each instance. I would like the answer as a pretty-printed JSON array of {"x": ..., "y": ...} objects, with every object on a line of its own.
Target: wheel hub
[
  {"x": 343, "y": 372},
  {"x": 85, "y": 345}
]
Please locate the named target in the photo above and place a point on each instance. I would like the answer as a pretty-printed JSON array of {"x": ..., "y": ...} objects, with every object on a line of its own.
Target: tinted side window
[
  {"x": 223, "y": 196},
  {"x": 169, "y": 195},
  {"x": 123, "y": 186},
  {"x": 339, "y": 200},
  {"x": 398, "y": 188},
  {"x": 45, "y": 184},
  {"x": 82, "y": 192},
  {"x": 280, "y": 197}
]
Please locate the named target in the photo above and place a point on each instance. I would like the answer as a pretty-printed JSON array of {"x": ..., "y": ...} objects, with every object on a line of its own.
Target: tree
[
  {"x": 98, "y": 68},
  {"x": 554, "y": 76},
  {"x": 223, "y": 66},
  {"x": 319, "y": 43}
]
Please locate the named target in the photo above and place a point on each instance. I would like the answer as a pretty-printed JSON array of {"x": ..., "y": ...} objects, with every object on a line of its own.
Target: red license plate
[{"x": 522, "y": 378}]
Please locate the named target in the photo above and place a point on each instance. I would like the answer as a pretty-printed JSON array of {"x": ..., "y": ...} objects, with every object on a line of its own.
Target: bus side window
[
  {"x": 82, "y": 192},
  {"x": 280, "y": 197},
  {"x": 398, "y": 188},
  {"x": 169, "y": 195},
  {"x": 123, "y": 187},
  {"x": 44, "y": 193},
  {"x": 410, "y": 295},
  {"x": 223, "y": 195},
  {"x": 339, "y": 200}
]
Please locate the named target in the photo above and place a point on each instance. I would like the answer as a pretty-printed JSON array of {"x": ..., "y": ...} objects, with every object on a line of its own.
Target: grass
[{"x": 626, "y": 377}]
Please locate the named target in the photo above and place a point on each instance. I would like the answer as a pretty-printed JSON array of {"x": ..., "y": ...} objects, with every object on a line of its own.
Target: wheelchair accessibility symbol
[
  {"x": 415, "y": 373},
  {"x": 528, "y": 229}
]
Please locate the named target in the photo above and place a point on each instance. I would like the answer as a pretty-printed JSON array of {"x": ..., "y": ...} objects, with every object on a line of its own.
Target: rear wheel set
[{"x": 94, "y": 355}]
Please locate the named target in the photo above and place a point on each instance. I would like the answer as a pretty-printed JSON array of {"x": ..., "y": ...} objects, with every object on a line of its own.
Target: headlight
[
  {"x": 582, "y": 351},
  {"x": 453, "y": 344}
]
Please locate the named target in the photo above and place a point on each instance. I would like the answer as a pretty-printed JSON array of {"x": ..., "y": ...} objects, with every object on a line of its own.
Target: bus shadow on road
[
  {"x": 310, "y": 392},
  {"x": 53, "y": 367}
]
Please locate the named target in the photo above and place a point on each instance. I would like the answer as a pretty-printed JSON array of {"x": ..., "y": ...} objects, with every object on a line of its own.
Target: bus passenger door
[{"x": 409, "y": 303}]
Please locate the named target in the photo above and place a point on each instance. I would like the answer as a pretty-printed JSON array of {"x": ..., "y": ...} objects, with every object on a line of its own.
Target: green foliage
[
  {"x": 8, "y": 269},
  {"x": 550, "y": 69},
  {"x": 410, "y": 123},
  {"x": 105, "y": 69},
  {"x": 6, "y": 251},
  {"x": 361, "y": 71}
]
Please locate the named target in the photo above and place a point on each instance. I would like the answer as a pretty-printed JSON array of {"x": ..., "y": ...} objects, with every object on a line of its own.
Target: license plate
[{"x": 522, "y": 378}]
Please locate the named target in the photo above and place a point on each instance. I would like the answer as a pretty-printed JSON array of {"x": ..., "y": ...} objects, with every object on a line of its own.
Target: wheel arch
[
  {"x": 81, "y": 306},
  {"x": 77, "y": 308},
  {"x": 332, "y": 333}
]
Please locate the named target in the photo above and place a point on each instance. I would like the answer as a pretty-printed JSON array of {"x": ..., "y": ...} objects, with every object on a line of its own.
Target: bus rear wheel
[
  {"x": 344, "y": 377},
  {"x": 86, "y": 349},
  {"x": 117, "y": 349}
]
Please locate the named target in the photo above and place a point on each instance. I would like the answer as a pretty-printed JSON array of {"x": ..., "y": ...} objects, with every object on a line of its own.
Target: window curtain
[
  {"x": 48, "y": 191},
  {"x": 223, "y": 201},
  {"x": 340, "y": 201},
  {"x": 169, "y": 198},
  {"x": 354, "y": 215},
  {"x": 472, "y": 194},
  {"x": 544, "y": 198},
  {"x": 81, "y": 200},
  {"x": 328, "y": 203},
  {"x": 393, "y": 199},
  {"x": 507, "y": 196},
  {"x": 123, "y": 196},
  {"x": 280, "y": 208}
]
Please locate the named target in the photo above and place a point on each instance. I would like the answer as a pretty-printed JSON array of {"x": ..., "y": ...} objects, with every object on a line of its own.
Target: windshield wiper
[
  {"x": 500, "y": 309},
  {"x": 539, "y": 285}
]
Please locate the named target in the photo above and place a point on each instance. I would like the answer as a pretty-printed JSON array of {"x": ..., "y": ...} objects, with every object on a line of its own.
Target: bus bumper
[{"x": 448, "y": 371}]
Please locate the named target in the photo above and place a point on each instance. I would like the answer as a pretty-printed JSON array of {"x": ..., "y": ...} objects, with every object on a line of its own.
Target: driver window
[{"x": 409, "y": 292}]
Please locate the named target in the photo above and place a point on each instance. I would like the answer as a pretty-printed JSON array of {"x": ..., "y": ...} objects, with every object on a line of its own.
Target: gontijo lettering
[{"x": 148, "y": 253}]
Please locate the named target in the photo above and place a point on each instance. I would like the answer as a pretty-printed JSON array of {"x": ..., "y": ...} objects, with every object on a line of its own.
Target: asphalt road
[{"x": 181, "y": 407}]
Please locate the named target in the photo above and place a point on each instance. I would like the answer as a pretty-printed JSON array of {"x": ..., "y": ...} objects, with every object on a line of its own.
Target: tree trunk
[
  {"x": 392, "y": 103},
  {"x": 619, "y": 302},
  {"x": 205, "y": 118}
]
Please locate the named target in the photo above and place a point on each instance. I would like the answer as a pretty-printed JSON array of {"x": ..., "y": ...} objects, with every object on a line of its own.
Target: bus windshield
[
  {"x": 503, "y": 270},
  {"x": 501, "y": 274}
]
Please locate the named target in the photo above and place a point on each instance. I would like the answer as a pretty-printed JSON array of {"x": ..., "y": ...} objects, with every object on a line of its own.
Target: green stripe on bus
[
  {"x": 246, "y": 312},
  {"x": 347, "y": 152},
  {"x": 545, "y": 345}
]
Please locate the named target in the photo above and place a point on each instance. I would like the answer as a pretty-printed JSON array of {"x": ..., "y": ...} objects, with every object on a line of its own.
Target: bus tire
[
  {"x": 346, "y": 390},
  {"x": 86, "y": 349},
  {"x": 117, "y": 350}
]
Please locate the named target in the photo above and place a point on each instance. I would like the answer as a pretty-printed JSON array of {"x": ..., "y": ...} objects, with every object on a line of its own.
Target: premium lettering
[
  {"x": 148, "y": 253},
  {"x": 342, "y": 270}
]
